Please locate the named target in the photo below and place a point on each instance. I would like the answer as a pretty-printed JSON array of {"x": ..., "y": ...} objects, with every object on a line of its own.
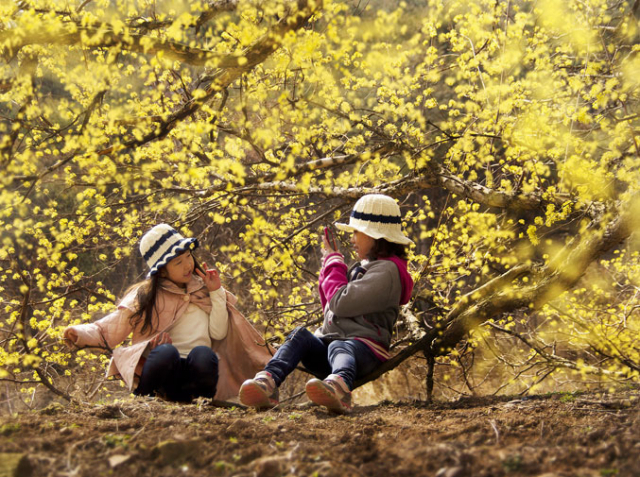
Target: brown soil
[{"x": 554, "y": 435}]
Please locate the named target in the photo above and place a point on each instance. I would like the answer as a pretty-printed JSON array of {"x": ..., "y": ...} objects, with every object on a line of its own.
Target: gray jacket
[{"x": 365, "y": 307}]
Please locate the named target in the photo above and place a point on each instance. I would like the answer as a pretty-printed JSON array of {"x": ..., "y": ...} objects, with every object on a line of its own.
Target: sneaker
[
  {"x": 331, "y": 393},
  {"x": 260, "y": 392}
]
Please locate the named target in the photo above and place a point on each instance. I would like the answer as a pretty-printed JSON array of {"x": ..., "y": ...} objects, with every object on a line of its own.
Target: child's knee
[
  {"x": 166, "y": 353},
  {"x": 203, "y": 359},
  {"x": 340, "y": 346}
]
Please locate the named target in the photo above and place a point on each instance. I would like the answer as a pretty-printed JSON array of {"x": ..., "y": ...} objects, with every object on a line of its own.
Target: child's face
[
  {"x": 180, "y": 268},
  {"x": 362, "y": 244}
]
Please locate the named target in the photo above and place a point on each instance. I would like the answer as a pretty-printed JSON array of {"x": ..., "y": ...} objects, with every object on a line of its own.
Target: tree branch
[
  {"x": 561, "y": 274},
  {"x": 214, "y": 9},
  {"x": 103, "y": 36}
]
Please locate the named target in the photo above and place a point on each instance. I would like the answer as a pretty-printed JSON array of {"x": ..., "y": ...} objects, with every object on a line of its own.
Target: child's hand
[
  {"x": 70, "y": 338},
  {"x": 327, "y": 248},
  {"x": 162, "y": 338},
  {"x": 211, "y": 278}
]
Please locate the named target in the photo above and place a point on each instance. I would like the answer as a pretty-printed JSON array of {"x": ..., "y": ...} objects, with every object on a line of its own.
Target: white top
[{"x": 194, "y": 328}]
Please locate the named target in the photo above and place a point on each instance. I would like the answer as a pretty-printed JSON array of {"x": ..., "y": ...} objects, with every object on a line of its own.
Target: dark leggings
[
  {"x": 350, "y": 359},
  {"x": 169, "y": 376}
]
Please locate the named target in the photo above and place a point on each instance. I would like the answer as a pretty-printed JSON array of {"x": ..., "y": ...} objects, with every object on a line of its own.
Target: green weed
[
  {"x": 512, "y": 463},
  {"x": 114, "y": 440}
]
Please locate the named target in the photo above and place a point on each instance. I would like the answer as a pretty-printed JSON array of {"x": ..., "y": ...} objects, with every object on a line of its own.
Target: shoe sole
[
  {"x": 253, "y": 395},
  {"x": 319, "y": 394}
]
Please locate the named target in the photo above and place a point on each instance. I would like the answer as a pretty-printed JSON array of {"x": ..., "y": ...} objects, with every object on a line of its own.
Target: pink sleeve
[
  {"x": 105, "y": 333},
  {"x": 333, "y": 276}
]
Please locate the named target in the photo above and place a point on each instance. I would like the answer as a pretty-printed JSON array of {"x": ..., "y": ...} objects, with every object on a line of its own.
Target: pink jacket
[{"x": 241, "y": 354}]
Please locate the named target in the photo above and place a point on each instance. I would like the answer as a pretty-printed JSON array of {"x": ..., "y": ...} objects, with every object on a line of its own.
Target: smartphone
[
  {"x": 197, "y": 265},
  {"x": 331, "y": 240}
]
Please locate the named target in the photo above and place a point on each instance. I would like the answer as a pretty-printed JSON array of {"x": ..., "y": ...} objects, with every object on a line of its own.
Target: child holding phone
[
  {"x": 329, "y": 238},
  {"x": 361, "y": 304},
  {"x": 188, "y": 340}
]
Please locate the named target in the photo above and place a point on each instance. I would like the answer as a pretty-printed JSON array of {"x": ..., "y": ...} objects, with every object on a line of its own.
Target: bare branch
[{"x": 103, "y": 36}]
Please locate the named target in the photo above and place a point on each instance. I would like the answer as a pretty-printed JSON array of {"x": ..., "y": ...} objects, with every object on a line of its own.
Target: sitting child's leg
[
  {"x": 159, "y": 371},
  {"x": 300, "y": 346},
  {"x": 201, "y": 373},
  {"x": 349, "y": 360}
]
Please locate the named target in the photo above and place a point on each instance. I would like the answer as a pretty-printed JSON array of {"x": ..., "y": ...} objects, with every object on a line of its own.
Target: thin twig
[{"x": 495, "y": 429}]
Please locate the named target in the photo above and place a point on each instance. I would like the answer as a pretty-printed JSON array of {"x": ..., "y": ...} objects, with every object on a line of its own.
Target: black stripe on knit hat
[
  {"x": 382, "y": 219},
  {"x": 161, "y": 240}
]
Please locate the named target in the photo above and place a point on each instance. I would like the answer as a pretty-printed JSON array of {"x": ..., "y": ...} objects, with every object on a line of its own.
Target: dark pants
[
  {"x": 350, "y": 359},
  {"x": 174, "y": 378}
]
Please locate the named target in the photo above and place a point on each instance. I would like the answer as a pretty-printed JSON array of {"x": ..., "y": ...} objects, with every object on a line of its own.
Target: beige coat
[{"x": 241, "y": 354}]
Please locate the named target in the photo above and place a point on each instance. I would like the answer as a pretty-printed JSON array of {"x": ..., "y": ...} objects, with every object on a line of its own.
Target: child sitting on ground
[
  {"x": 361, "y": 305},
  {"x": 188, "y": 340}
]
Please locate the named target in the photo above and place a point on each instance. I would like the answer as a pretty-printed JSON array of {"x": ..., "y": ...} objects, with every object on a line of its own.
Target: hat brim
[
  {"x": 390, "y": 237},
  {"x": 173, "y": 252}
]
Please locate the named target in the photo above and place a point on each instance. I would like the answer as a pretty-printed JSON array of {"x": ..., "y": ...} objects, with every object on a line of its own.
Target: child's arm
[
  {"x": 219, "y": 316},
  {"x": 333, "y": 276},
  {"x": 105, "y": 333}
]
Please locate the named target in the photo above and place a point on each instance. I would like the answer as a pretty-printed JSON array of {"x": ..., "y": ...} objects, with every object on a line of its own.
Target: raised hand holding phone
[
  {"x": 329, "y": 241},
  {"x": 211, "y": 277},
  {"x": 197, "y": 266}
]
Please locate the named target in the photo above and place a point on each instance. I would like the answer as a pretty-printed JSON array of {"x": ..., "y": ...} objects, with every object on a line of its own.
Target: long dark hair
[
  {"x": 146, "y": 302},
  {"x": 382, "y": 248}
]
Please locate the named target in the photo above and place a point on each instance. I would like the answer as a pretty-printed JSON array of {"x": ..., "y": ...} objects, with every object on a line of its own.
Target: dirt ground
[{"x": 585, "y": 435}]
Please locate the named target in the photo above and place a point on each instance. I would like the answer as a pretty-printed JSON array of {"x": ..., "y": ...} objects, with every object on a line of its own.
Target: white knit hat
[
  {"x": 161, "y": 244},
  {"x": 377, "y": 216}
]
